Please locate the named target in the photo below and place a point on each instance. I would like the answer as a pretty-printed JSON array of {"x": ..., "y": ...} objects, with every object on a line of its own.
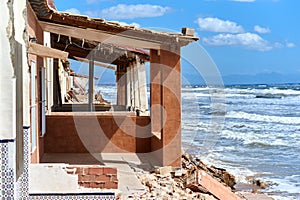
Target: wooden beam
[
  {"x": 82, "y": 76},
  {"x": 96, "y": 63},
  {"x": 99, "y": 36},
  {"x": 46, "y": 52}
]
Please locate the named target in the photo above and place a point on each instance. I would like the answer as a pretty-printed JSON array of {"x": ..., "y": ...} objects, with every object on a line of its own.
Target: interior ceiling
[{"x": 106, "y": 53}]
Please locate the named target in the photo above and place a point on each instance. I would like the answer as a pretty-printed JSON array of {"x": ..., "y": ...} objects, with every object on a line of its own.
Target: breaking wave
[{"x": 263, "y": 118}]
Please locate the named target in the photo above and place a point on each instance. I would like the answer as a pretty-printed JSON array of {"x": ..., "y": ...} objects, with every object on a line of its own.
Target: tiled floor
[{"x": 126, "y": 163}]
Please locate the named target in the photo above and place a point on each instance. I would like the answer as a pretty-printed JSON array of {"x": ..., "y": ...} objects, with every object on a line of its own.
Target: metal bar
[{"x": 91, "y": 81}]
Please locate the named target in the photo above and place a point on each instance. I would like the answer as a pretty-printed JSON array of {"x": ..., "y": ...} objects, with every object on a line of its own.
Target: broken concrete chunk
[
  {"x": 164, "y": 170},
  {"x": 178, "y": 173}
]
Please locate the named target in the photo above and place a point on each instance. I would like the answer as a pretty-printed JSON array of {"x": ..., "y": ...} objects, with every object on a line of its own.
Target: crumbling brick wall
[{"x": 95, "y": 176}]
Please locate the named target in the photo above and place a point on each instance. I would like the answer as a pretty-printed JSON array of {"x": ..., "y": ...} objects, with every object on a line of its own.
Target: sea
[{"x": 250, "y": 130}]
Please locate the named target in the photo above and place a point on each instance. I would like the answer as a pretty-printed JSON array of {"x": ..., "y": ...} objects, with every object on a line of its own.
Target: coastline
[{"x": 167, "y": 183}]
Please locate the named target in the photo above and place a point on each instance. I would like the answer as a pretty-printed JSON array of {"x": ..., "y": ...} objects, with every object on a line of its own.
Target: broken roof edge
[{"x": 46, "y": 12}]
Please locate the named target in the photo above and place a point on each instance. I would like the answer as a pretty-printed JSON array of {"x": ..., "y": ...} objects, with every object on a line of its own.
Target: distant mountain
[{"x": 261, "y": 78}]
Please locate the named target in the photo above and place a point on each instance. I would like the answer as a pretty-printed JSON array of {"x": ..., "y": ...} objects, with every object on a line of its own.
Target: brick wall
[
  {"x": 82, "y": 133},
  {"x": 95, "y": 176}
]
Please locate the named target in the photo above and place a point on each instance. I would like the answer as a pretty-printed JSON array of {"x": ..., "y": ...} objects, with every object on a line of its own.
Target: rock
[
  {"x": 192, "y": 178},
  {"x": 178, "y": 173},
  {"x": 260, "y": 183},
  {"x": 225, "y": 177},
  {"x": 228, "y": 179},
  {"x": 165, "y": 170},
  {"x": 197, "y": 188},
  {"x": 257, "y": 182},
  {"x": 176, "y": 195},
  {"x": 188, "y": 191},
  {"x": 149, "y": 185},
  {"x": 184, "y": 172}
]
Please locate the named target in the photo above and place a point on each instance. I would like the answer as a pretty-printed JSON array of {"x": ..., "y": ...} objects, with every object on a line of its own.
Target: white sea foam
[
  {"x": 194, "y": 89},
  {"x": 262, "y": 91},
  {"x": 275, "y": 197},
  {"x": 263, "y": 118},
  {"x": 251, "y": 138},
  {"x": 284, "y": 186},
  {"x": 240, "y": 173}
]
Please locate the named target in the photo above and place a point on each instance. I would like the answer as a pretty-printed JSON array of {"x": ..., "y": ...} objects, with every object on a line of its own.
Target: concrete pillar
[
  {"x": 137, "y": 86},
  {"x": 121, "y": 84},
  {"x": 166, "y": 106},
  {"x": 48, "y": 63},
  {"x": 129, "y": 89},
  {"x": 142, "y": 87}
]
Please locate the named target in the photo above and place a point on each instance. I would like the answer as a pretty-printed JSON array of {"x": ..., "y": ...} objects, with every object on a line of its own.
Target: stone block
[
  {"x": 165, "y": 170},
  {"x": 188, "y": 32}
]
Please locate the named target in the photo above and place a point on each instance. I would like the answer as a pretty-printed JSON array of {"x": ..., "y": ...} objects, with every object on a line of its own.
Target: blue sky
[{"x": 243, "y": 37}]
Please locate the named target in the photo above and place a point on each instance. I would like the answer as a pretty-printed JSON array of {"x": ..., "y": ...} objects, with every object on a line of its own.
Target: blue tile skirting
[
  {"x": 6, "y": 141},
  {"x": 92, "y": 196},
  {"x": 7, "y": 174}
]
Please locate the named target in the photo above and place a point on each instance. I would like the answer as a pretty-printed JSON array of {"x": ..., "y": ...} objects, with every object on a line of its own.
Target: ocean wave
[
  {"x": 270, "y": 93},
  {"x": 263, "y": 93},
  {"x": 263, "y": 118},
  {"x": 270, "y": 96},
  {"x": 258, "y": 140},
  {"x": 188, "y": 89},
  {"x": 270, "y": 144}
]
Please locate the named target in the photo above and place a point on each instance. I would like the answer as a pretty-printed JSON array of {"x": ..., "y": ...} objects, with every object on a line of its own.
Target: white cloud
[
  {"x": 261, "y": 30},
  {"x": 218, "y": 25},
  {"x": 123, "y": 11},
  {"x": 246, "y": 40},
  {"x": 290, "y": 45},
  {"x": 278, "y": 45},
  {"x": 73, "y": 11},
  {"x": 244, "y": 0}
]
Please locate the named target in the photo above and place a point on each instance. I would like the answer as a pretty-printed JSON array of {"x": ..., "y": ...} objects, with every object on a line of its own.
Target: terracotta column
[{"x": 166, "y": 106}]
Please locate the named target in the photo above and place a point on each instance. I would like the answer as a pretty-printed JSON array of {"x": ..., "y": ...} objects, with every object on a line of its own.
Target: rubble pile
[{"x": 167, "y": 183}]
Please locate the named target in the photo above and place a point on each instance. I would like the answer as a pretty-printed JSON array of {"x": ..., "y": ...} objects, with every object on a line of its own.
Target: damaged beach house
[{"x": 59, "y": 138}]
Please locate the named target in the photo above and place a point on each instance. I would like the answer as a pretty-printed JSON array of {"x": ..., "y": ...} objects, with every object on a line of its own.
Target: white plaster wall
[
  {"x": 7, "y": 75},
  {"x": 20, "y": 26},
  {"x": 7, "y": 80}
]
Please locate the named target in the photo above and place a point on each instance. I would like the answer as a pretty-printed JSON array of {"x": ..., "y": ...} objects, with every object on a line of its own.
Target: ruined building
[{"x": 38, "y": 125}]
